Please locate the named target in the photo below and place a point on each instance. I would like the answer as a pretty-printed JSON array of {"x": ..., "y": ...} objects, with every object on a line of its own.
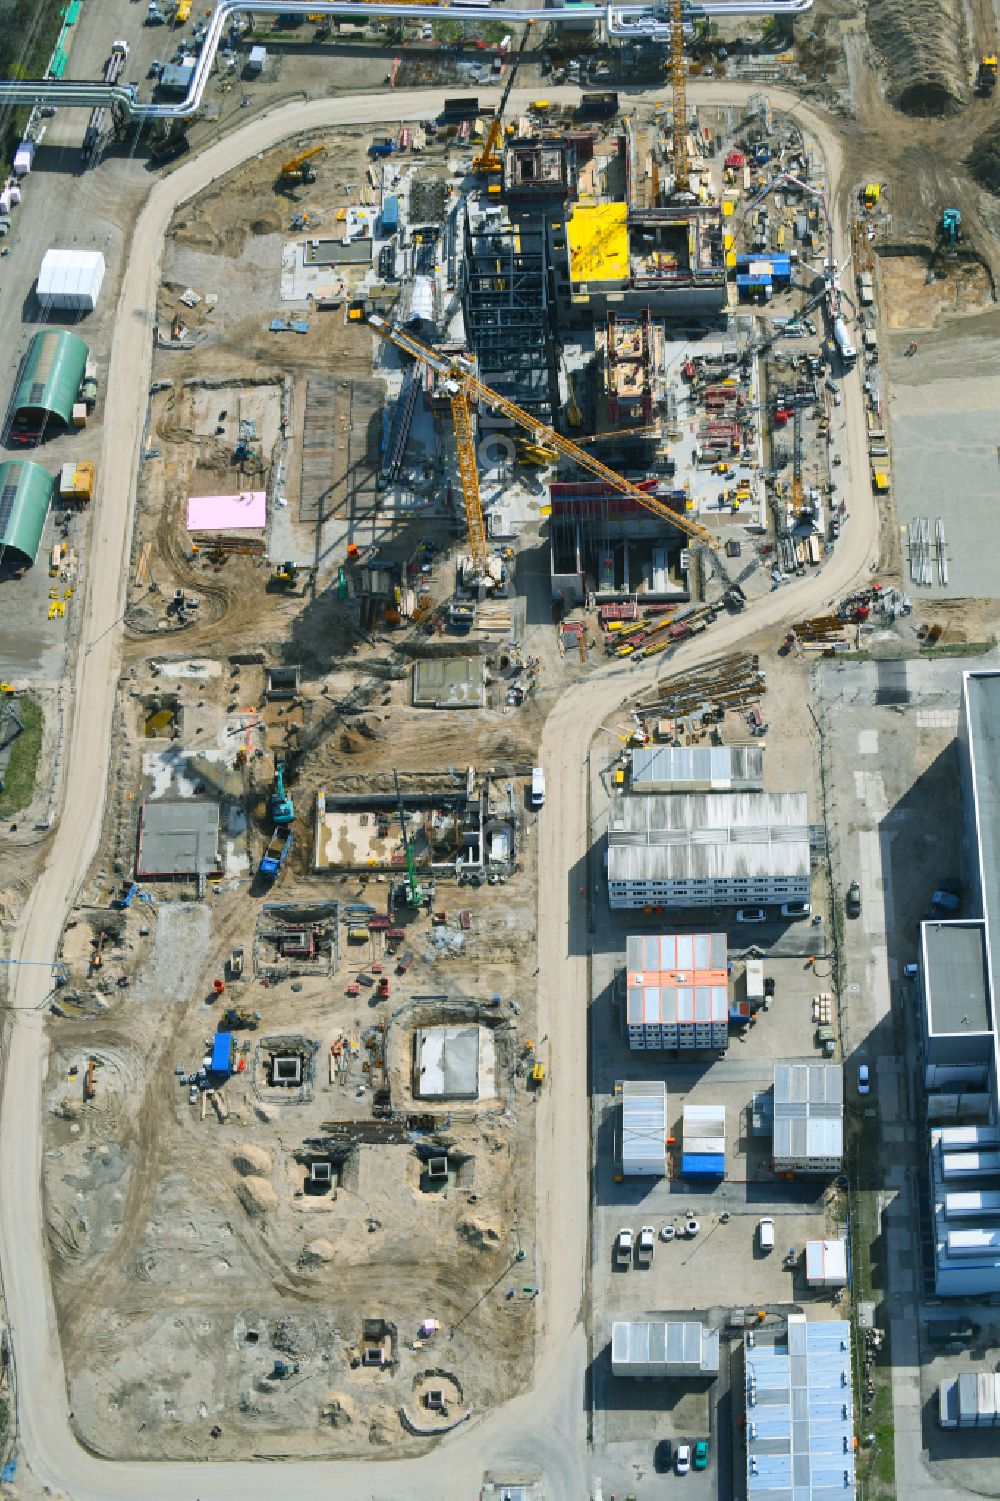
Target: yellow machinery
[
  {"x": 300, "y": 168},
  {"x": 488, "y": 160},
  {"x": 460, "y": 383},
  {"x": 679, "y": 97}
]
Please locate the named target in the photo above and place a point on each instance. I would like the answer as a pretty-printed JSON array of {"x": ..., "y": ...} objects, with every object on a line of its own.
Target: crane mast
[
  {"x": 488, "y": 159},
  {"x": 678, "y": 92},
  {"x": 460, "y": 383}
]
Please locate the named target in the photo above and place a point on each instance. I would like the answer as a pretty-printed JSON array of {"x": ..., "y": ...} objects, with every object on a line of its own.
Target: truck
[
  {"x": 537, "y": 795},
  {"x": 274, "y": 857},
  {"x": 644, "y": 1246},
  {"x": 946, "y": 899},
  {"x": 598, "y": 105},
  {"x": 623, "y": 1248},
  {"x": 842, "y": 339}
]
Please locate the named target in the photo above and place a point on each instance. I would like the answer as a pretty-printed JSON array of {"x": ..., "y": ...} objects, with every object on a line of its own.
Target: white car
[
  {"x": 751, "y": 914},
  {"x": 623, "y": 1248},
  {"x": 645, "y": 1244},
  {"x": 765, "y": 1233},
  {"x": 682, "y": 1462},
  {"x": 864, "y": 1079}
]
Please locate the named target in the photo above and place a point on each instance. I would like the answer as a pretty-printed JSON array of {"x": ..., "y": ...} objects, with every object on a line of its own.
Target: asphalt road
[{"x": 546, "y": 1426}]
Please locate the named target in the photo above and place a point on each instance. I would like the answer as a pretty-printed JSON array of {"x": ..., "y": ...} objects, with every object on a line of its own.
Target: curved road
[{"x": 546, "y": 1426}]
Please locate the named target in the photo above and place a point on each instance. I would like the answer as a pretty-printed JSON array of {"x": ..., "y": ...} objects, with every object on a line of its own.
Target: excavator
[
  {"x": 487, "y": 163},
  {"x": 282, "y": 807},
  {"x": 300, "y": 168}
]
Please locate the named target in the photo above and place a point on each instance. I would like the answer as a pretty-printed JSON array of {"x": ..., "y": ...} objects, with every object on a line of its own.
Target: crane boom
[
  {"x": 488, "y": 159},
  {"x": 678, "y": 90},
  {"x": 459, "y": 380},
  {"x": 292, "y": 168}
]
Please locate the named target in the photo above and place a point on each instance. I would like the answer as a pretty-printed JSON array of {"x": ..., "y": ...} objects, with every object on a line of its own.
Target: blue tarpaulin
[
  {"x": 702, "y": 1165},
  {"x": 222, "y": 1053}
]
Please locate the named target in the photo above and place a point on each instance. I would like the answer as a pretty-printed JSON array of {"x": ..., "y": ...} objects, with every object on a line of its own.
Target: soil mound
[
  {"x": 984, "y": 160},
  {"x": 256, "y": 1195},
  {"x": 921, "y": 46},
  {"x": 252, "y": 1161},
  {"x": 317, "y": 1253}
]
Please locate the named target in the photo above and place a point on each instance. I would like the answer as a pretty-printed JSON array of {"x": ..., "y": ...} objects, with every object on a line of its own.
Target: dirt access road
[{"x": 547, "y": 1426}]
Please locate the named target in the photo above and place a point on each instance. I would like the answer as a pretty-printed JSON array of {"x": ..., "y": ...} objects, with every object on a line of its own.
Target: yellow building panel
[{"x": 598, "y": 243}]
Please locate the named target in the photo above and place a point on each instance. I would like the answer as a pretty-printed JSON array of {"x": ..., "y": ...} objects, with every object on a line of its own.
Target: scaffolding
[
  {"x": 628, "y": 353},
  {"x": 507, "y": 317}
]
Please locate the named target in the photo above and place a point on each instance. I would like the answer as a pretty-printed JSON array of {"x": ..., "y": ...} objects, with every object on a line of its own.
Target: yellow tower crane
[
  {"x": 679, "y": 97},
  {"x": 461, "y": 383},
  {"x": 488, "y": 160}
]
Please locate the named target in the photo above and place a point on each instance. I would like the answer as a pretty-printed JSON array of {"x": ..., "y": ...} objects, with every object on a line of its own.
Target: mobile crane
[
  {"x": 300, "y": 168},
  {"x": 414, "y": 892},
  {"x": 488, "y": 160},
  {"x": 460, "y": 383}
]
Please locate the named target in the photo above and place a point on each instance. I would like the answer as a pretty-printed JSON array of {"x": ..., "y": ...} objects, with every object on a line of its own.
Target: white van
[
  {"x": 537, "y": 787},
  {"x": 765, "y": 1234}
]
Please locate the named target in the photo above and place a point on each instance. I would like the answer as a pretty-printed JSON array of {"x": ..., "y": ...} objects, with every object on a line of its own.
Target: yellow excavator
[
  {"x": 487, "y": 163},
  {"x": 300, "y": 168}
]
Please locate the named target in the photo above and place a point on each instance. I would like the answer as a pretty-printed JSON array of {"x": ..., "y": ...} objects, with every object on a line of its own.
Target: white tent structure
[{"x": 71, "y": 279}]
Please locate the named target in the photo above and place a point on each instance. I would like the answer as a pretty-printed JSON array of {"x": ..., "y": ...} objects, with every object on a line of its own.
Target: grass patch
[
  {"x": 19, "y": 782},
  {"x": 28, "y": 32},
  {"x": 958, "y": 649}
]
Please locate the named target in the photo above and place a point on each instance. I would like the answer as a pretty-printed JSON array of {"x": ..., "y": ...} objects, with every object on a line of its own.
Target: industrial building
[
  {"x": 706, "y": 850},
  {"x": 505, "y": 303},
  {"x": 970, "y": 1400},
  {"x": 808, "y": 1118},
  {"x": 178, "y": 839},
  {"x": 676, "y": 991},
  {"x": 959, "y": 995},
  {"x": 25, "y": 496},
  {"x": 682, "y": 1350},
  {"x": 446, "y": 1063},
  {"x": 47, "y": 385},
  {"x": 799, "y": 1412},
  {"x": 644, "y": 1128},
  {"x": 697, "y": 768},
  {"x": 70, "y": 280},
  {"x": 606, "y": 544}
]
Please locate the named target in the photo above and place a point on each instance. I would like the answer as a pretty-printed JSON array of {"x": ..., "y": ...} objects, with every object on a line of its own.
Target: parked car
[
  {"x": 864, "y": 1079},
  {"x": 765, "y": 1233},
  {"x": 795, "y": 909},
  {"x": 623, "y": 1248},
  {"x": 700, "y": 1461},
  {"x": 644, "y": 1246},
  {"x": 683, "y": 1461},
  {"x": 664, "y": 1455},
  {"x": 751, "y": 914},
  {"x": 854, "y": 900}
]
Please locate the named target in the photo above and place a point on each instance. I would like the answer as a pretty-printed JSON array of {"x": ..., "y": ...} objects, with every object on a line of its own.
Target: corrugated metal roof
[
  {"x": 679, "y": 1348},
  {"x": 708, "y": 768},
  {"x": 25, "y": 496},
  {"x": 644, "y": 1126},
  {"x": 709, "y": 836},
  {"x": 808, "y": 1112},
  {"x": 50, "y": 375},
  {"x": 676, "y": 979},
  {"x": 799, "y": 1418}
]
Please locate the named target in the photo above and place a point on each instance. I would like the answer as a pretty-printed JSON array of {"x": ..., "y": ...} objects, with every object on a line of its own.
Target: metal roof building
[
  {"x": 70, "y": 279},
  {"x": 178, "y": 837},
  {"x": 960, "y": 991},
  {"x": 644, "y": 1128},
  {"x": 706, "y": 849},
  {"x": 48, "y": 381},
  {"x": 799, "y": 1412},
  {"x": 25, "y": 496},
  {"x": 697, "y": 768},
  {"x": 676, "y": 991},
  {"x": 808, "y": 1118},
  {"x": 687, "y": 1350}
]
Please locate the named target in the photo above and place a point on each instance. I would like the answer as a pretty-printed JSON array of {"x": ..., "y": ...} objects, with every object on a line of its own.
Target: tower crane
[
  {"x": 460, "y": 383},
  {"x": 678, "y": 91},
  {"x": 488, "y": 160}
]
